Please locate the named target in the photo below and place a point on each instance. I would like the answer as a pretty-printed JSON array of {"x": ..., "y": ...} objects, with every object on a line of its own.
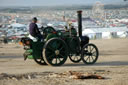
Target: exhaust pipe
[{"x": 79, "y": 15}]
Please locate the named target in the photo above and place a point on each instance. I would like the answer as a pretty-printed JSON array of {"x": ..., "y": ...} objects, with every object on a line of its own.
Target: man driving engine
[{"x": 34, "y": 31}]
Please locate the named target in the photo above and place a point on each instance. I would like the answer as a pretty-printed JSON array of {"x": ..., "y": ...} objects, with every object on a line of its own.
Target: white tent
[
  {"x": 106, "y": 35},
  {"x": 106, "y": 32}
]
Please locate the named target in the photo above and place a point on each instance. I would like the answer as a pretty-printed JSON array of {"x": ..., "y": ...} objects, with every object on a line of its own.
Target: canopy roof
[{"x": 100, "y": 30}]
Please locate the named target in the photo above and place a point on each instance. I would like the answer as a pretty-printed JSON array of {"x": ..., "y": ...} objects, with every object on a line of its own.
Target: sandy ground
[{"x": 112, "y": 64}]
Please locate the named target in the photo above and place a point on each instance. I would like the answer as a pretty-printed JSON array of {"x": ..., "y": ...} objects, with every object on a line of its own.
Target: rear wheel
[
  {"x": 55, "y": 52},
  {"x": 89, "y": 54},
  {"x": 40, "y": 61}
]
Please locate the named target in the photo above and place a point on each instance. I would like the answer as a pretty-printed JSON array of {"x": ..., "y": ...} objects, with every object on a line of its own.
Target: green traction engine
[{"x": 58, "y": 45}]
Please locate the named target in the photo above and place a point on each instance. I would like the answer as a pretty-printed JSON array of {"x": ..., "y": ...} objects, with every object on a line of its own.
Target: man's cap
[{"x": 34, "y": 19}]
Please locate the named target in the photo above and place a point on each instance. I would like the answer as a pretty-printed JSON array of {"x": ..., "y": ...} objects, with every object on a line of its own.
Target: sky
[{"x": 55, "y": 2}]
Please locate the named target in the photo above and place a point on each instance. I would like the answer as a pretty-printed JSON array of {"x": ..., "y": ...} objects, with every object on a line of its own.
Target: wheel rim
[
  {"x": 75, "y": 58},
  {"x": 40, "y": 61},
  {"x": 89, "y": 54},
  {"x": 55, "y": 52}
]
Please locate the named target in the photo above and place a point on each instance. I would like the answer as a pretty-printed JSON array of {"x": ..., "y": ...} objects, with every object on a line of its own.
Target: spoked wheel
[
  {"x": 55, "y": 52},
  {"x": 40, "y": 61},
  {"x": 89, "y": 54},
  {"x": 75, "y": 58}
]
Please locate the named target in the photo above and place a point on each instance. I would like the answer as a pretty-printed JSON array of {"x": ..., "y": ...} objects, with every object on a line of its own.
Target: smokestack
[{"x": 79, "y": 14}]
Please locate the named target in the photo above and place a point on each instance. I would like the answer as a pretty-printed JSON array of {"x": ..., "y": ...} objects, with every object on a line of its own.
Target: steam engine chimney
[{"x": 79, "y": 14}]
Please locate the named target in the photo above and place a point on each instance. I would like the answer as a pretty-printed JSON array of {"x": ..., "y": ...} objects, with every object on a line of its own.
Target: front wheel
[
  {"x": 75, "y": 58},
  {"x": 89, "y": 54}
]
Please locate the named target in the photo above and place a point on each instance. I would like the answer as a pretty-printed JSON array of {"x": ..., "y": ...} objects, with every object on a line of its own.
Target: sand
[{"x": 112, "y": 64}]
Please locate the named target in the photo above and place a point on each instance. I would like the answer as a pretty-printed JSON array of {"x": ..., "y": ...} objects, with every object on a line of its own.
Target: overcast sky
[{"x": 55, "y": 2}]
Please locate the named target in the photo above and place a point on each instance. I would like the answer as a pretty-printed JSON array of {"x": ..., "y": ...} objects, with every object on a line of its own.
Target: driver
[{"x": 34, "y": 31}]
